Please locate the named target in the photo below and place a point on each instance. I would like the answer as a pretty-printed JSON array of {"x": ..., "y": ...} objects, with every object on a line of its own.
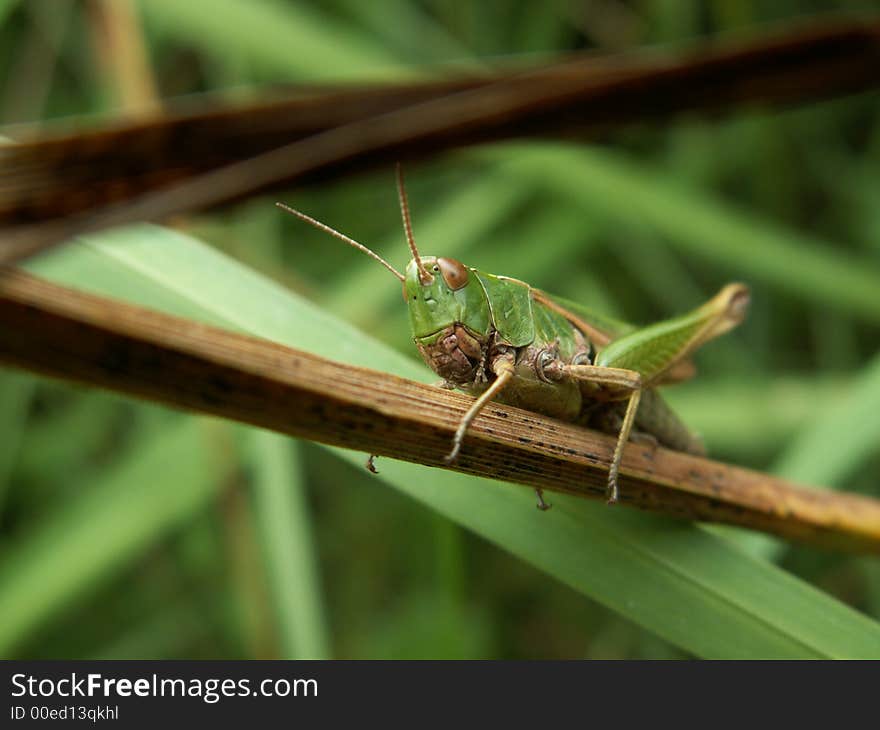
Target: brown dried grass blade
[
  {"x": 63, "y": 333},
  {"x": 150, "y": 170}
]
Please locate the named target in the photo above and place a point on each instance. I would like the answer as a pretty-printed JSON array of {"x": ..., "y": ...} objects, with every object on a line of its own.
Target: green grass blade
[
  {"x": 105, "y": 530},
  {"x": 160, "y": 637},
  {"x": 6, "y": 7},
  {"x": 690, "y": 587},
  {"x": 828, "y": 449},
  {"x": 753, "y": 417},
  {"x": 283, "y": 518},
  {"x": 701, "y": 225},
  {"x": 275, "y": 38},
  {"x": 413, "y": 34},
  {"x": 49, "y": 453},
  {"x": 16, "y": 390}
]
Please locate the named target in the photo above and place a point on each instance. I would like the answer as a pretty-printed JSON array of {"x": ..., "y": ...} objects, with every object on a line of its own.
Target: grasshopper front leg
[{"x": 502, "y": 366}]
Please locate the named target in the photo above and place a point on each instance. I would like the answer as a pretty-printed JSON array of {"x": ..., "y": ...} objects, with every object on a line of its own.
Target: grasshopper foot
[
  {"x": 452, "y": 456},
  {"x": 371, "y": 464},
  {"x": 611, "y": 492},
  {"x": 542, "y": 505}
]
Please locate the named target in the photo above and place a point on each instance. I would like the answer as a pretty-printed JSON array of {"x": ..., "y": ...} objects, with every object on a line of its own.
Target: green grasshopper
[{"x": 500, "y": 339}]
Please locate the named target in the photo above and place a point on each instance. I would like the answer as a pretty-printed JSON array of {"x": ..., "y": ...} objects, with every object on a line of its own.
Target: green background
[{"x": 130, "y": 531}]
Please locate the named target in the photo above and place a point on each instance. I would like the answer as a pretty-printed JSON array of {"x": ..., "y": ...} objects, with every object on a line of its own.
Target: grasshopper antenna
[
  {"x": 424, "y": 275},
  {"x": 341, "y": 237}
]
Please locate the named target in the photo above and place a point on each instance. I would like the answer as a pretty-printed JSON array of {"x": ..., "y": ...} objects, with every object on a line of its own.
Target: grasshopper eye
[{"x": 454, "y": 273}]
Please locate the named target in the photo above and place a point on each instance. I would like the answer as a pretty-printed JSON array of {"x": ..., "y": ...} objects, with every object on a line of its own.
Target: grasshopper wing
[{"x": 600, "y": 329}]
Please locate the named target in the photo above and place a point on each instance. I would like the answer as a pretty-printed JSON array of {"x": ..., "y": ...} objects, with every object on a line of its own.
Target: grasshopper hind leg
[
  {"x": 629, "y": 417},
  {"x": 623, "y": 383}
]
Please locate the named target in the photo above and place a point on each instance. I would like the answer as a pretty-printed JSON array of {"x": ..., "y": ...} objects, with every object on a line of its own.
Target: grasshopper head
[
  {"x": 439, "y": 292},
  {"x": 448, "y": 295}
]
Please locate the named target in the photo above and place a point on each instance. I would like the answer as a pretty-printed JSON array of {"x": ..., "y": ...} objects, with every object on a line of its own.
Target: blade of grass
[
  {"x": 701, "y": 225},
  {"x": 275, "y": 38},
  {"x": 164, "y": 636},
  {"x": 828, "y": 449},
  {"x": 6, "y": 7},
  {"x": 16, "y": 390},
  {"x": 414, "y": 34},
  {"x": 104, "y": 531},
  {"x": 248, "y": 614},
  {"x": 692, "y": 588},
  {"x": 284, "y": 522},
  {"x": 751, "y": 416},
  {"x": 49, "y": 453}
]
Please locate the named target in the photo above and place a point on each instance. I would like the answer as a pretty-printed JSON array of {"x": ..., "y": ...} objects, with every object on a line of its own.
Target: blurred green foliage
[{"x": 128, "y": 531}]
